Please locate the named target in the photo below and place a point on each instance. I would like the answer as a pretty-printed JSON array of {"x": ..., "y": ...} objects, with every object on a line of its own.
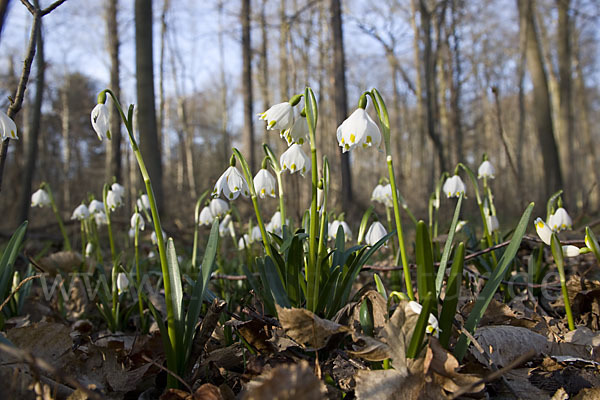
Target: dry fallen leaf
[
  {"x": 306, "y": 328},
  {"x": 505, "y": 344},
  {"x": 61, "y": 262}
]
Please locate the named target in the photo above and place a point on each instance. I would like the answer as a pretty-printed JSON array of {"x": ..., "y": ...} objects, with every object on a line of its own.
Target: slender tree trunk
[
  {"x": 3, "y": 13},
  {"x": 34, "y": 128},
  {"x": 541, "y": 102},
  {"x": 188, "y": 144},
  {"x": 145, "y": 96},
  {"x": 113, "y": 154},
  {"x": 456, "y": 86},
  {"x": 224, "y": 87},
  {"x": 248, "y": 132},
  {"x": 66, "y": 139},
  {"x": 284, "y": 31},
  {"x": 264, "y": 60}
]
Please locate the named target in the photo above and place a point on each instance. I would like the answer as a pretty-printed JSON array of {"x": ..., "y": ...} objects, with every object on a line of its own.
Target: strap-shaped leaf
[
  {"x": 8, "y": 259},
  {"x": 447, "y": 247},
  {"x": 452, "y": 294},
  {"x": 425, "y": 275}
]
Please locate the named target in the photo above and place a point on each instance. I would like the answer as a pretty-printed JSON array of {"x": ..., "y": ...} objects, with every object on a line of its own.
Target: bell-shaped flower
[
  {"x": 560, "y": 220},
  {"x": 358, "y": 129},
  {"x": 298, "y": 133},
  {"x": 137, "y": 220},
  {"x": 81, "y": 212},
  {"x": 432, "y": 322},
  {"x": 570, "y": 250},
  {"x": 375, "y": 233},
  {"x": 154, "y": 238},
  {"x": 8, "y": 128},
  {"x": 264, "y": 184},
  {"x": 226, "y": 226},
  {"x": 334, "y": 227},
  {"x": 294, "y": 159},
  {"x": 89, "y": 249},
  {"x": 96, "y": 206},
  {"x": 244, "y": 242},
  {"x": 218, "y": 207},
  {"x": 453, "y": 186},
  {"x": 545, "y": 233},
  {"x": 118, "y": 189},
  {"x": 231, "y": 184},
  {"x": 274, "y": 226},
  {"x": 486, "y": 170},
  {"x": 113, "y": 199},
  {"x": 255, "y": 235},
  {"x": 122, "y": 282},
  {"x": 492, "y": 223},
  {"x": 461, "y": 224},
  {"x": 40, "y": 198},
  {"x": 143, "y": 203},
  {"x": 383, "y": 194},
  {"x": 101, "y": 121},
  {"x": 206, "y": 217},
  {"x": 100, "y": 218},
  {"x": 279, "y": 117}
]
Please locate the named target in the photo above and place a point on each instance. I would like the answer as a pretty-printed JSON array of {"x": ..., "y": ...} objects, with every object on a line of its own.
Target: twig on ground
[
  {"x": 173, "y": 374},
  {"x": 19, "y": 286}
]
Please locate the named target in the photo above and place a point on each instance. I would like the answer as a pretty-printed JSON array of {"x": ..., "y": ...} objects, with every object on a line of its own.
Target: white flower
[
  {"x": 264, "y": 184},
  {"x": 461, "y": 224},
  {"x": 100, "y": 218},
  {"x": 375, "y": 233},
  {"x": 143, "y": 202},
  {"x": 101, "y": 121},
  {"x": 231, "y": 184},
  {"x": 131, "y": 233},
  {"x": 113, "y": 199},
  {"x": 294, "y": 159},
  {"x": 333, "y": 229},
  {"x": 560, "y": 220},
  {"x": 89, "y": 249},
  {"x": 96, "y": 206},
  {"x": 486, "y": 170},
  {"x": 137, "y": 220},
  {"x": 358, "y": 129},
  {"x": 122, "y": 282},
  {"x": 274, "y": 225},
  {"x": 206, "y": 216},
  {"x": 218, "y": 207},
  {"x": 81, "y": 212},
  {"x": 8, "y": 128},
  {"x": 154, "y": 239},
  {"x": 40, "y": 198},
  {"x": 383, "y": 195},
  {"x": 118, "y": 189},
  {"x": 492, "y": 223},
  {"x": 433, "y": 326},
  {"x": 244, "y": 242},
  {"x": 226, "y": 226},
  {"x": 298, "y": 133},
  {"x": 570, "y": 251},
  {"x": 453, "y": 186},
  {"x": 279, "y": 117},
  {"x": 255, "y": 235},
  {"x": 545, "y": 233}
]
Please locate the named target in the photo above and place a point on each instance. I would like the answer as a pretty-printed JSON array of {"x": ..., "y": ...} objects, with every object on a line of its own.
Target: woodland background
[{"x": 517, "y": 80}]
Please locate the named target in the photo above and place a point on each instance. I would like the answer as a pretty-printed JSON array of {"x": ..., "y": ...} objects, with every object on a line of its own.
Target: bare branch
[{"x": 52, "y": 7}]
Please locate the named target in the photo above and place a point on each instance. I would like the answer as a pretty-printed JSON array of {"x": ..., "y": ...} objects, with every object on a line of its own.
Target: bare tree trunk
[
  {"x": 248, "y": 132},
  {"x": 541, "y": 102},
  {"x": 34, "y": 128},
  {"x": 339, "y": 96},
  {"x": 264, "y": 60},
  {"x": 3, "y": 13},
  {"x": 113, "y": 154},
  {"x": 224, "y": 106},
  {"x": 455, "y": 86},
  {"x": 66, "y": 148},
  {"x": 164, "y": 137},
  {"x": 188, "y": 143},
  {"x": 284, "y": 31},
  {"x": 145, "y": 96}
]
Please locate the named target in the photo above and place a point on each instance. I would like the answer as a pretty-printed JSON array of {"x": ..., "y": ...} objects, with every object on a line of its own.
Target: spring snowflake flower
[
  {"x": 40, "y": 198},
  {"x": 154, "y": 239},
  {"x": 294, "y": 159},
  {"x": 358, "y": 130},
  {"x": 231, "y": 184},
  {"x": 100, "y": 218},
  {"x": 137, "y": 219},
  {"x": 264, "y": 184},
  {"x": 8, "y": 128},
  {"x": 453, "y": 186},
  {"x": 101, "y": 121},
  {"x": 244, "y": 242},
  {"x": 206, "y": 217},
  {"x": 383, "y": 194},
  {"x": 375, "y": 233},
  {"x": 226, "y": 226},
  {"x": 81, "y": 212},
  {"x": 486, "y": 170},
  {"x": 333, "y": 229},
  {"x": 122, "y": 282},
  {"x": 560, "y": 220},
  {"x": 279, "y": 117},
  {"x": 255, "y": 235},
  {"x": 89, "y": 249},
  {"x": 113, "y": 200},
  {"x": 545, "y": 233},
  {"x": 298, "y": 133},
  {"x": 492, "y": 223},
  {"x": 143, "y": 203},
  {"x": 433, "y": 326},
  {"x": 96, "y": 206},
  {"x": 274, "y": 226},
  {"x": 218, "y": 207}
]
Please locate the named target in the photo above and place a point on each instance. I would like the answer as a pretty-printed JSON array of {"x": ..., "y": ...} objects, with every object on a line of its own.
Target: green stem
[
  {"x": 278, "y": 174},
  {"x": 138, "y": 276},
  {"x": 109, "y": 225},
  {"x": 61, "y": 226}
]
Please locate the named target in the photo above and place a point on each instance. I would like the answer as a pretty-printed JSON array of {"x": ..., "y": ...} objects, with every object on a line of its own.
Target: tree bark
[
  {"x": 541, "y": 102},
  {"x": 3, "y": 13},
  {"x": 248, "y": 131},
  {"x": 145, "y": 96},
  {"x": 113, "y": 154},
  {"x": 339, "y": 96}
]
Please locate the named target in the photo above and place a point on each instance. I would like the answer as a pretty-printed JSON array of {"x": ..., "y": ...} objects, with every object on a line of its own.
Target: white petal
[
  {"x": 543, "y": 231},
  {"x": 570, "y": 251}
]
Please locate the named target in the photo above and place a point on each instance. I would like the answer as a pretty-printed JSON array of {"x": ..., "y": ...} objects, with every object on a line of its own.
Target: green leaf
[
  {"x": 175, "y": 278},
  {"x": 551, "y": 202},
  {"x": 592, "y": 243},
  {"x": 363, "y": 224},
  {"x": 419, "y": 333},
  {"x": 448, "y": 246},
  {"x": 312, "y": 112},
  {"x": 8, "y": 259},
  {"x": 486, "y": 295},
  {"x": 452, "y": 295},
  {"x": 274, "y": 283},
  {"x": 380, "y": 287},
  {"x": 295, "y": 261},
  {"x": 557, "y": 253},
  {"x": 425, "y": 274}
]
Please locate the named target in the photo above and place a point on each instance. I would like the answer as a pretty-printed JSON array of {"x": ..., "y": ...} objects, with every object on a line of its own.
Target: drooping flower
[
  {"x": 89, "y": 249},
  {"x": 274, "y": 225},
  {"x": 206, "y": 217},
  {"x": 100, "y": 218},
  {"x": 545, "y": 233},
  {"x": 40, "y": 198},
  {"x": 298, "y": 133},
  {"x": 279, "y": 117},
  {"x": 226, "y": 226},
  {"x": 433, "y": 326},
  {"x": 383, "y": 194},
  {"x": 264, "y": 184},
  {"x": 486, "y": 170},
  {"x": 335, "y": 225},
  {"x": 96, "y": 206},
  {"x": 492, "y": 223},
  {"x": 81, "y": 212},
  {"x": 218, "y": 207},
  {"x": 101, "y": 121},
  {"x": 294, "y": 159},
  {"x": 118, "y": 189},
  {"x": 375, "y": 233},
  {"x": 231, "y": 184},
  {"x": 154, "y": 238},
  {"x": 560, "y": 220},
  {"x": 137, "y": 220},
  {"x": 122, "y": 282},
  {"x": 244, "y": 242},
  {"x": 453, "y": 186},
  {"x": 143, "y": 202},
  {"x": 255, "y": 235},
  {"x": 358, "y": 129},
  {"x": 113, "y": 200},
  {"x": 8, "y": 128}
]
